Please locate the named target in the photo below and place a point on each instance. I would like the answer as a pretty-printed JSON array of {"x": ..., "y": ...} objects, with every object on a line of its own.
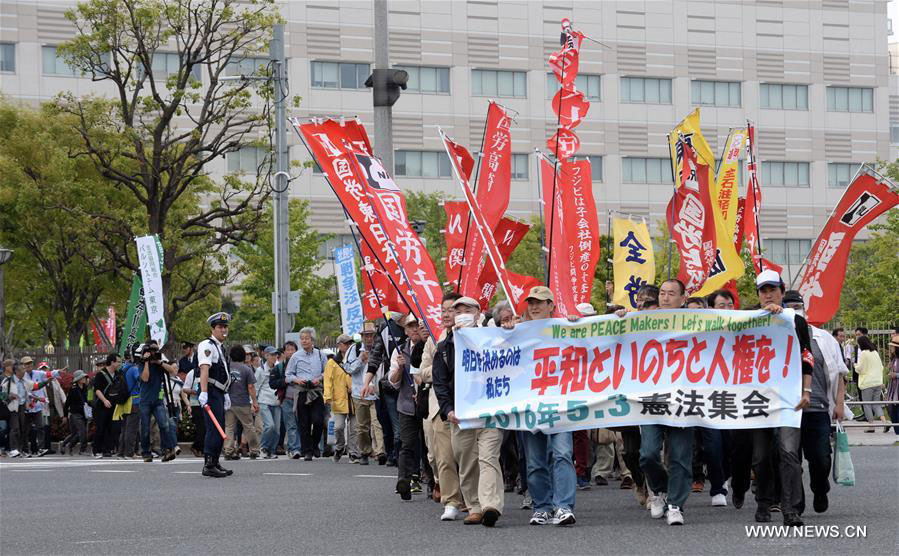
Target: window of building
[
  {"x": 53, "y": 64},
  {"x": 587, "y": 84},
  {"x": 422, "y": 164},
  {"x": 167, "y": 63},
  {"x": 595, "y": 167},
  {"x": 783, "y": 97},
  {"x": 8, "y": 57},
  {"x": 894, "y": 133},
  {"x": 785, "y": 174},
  {"x": 645, "y": 170},
  {"x": 787, "y": 251},
  {"x": 247, "y": 159},
  {"x": 839, "y": 173},
  {"x": 497, "y": 83},
  {"x": 715, "y": 93},
  {"x": 339, "y": 75},
  {"x": 644, "y": 90},
  {"x": 519, "y": 166},
  {"x": 850, "y": 99},
  {"x": 247, "y": 66},
  {"x": 426, "y": 79}
]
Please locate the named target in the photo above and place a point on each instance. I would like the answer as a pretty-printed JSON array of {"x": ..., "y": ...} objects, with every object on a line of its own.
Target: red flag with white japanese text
[
  {"x": 377, "y": 290},
  {"x": 563, "y": 143},
  {"x": 570, "y": 106},
  {"x": 521, "y": 284},
  {"x": 561, "y": 281},
  {"x": 481, "y": 225},
  {"x": 690, "y": 220},
  {"x": 508, "y": 234},
  {"x": 493, "y": 189},
  {"x": 378, "y": 207},
  {"x": 454, "y": 237},
  {"x": 866, "y": 198}
]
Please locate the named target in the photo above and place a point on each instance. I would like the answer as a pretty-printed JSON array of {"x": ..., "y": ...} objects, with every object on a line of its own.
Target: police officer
[{"x": 214, "y": 381}]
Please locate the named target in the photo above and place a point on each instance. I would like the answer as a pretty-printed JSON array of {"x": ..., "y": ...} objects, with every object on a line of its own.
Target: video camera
[{"x": 149, "y": 352}]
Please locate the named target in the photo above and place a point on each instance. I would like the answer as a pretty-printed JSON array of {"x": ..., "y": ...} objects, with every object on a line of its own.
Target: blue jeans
[
  {"x": 157, "y": 409},
  {"x": 552, "y": 481},
  {"x": 271, "y": 426},
  {"x": 676, "y": 481},
  {"x": 289, "y": 417},
  {"x": 713, "y": 452},
  {"x": 4, "y": 437},
  {"x": 389, "y": 401}
]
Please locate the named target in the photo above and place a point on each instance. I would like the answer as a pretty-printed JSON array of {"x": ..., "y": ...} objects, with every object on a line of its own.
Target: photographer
[{"x": 152, "y": 402}]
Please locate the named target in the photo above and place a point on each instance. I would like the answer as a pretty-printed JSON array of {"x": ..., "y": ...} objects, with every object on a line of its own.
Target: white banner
[
  {"x": 350, "y": 304},
  {"x": 149, "y": 252},
  {"x": 716, "y": 369}
]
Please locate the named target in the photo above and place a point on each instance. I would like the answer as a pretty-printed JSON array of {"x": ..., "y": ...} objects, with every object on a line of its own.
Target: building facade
[{"x": 813, "y": 76}]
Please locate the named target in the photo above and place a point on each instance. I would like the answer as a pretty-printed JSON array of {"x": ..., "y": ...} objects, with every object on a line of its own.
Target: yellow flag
[
  {"x": 728, "y": 264},
  {"x": 633, "y": 261},
  {"x": 728, "y": 179}
]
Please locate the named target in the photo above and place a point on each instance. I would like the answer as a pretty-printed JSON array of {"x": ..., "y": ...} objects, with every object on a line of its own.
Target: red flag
[
  {"x": 378, "y": 292},
  {"x": 564, "y": 63},
  {"x": 493, "y": 189},
  {"x": 482, "y": 226},
  {"x": 690, "y": 221},
  {"x": 865, "y": 199},
  {"x": 508, "y": 235},
  {"x": 98, "y": 340},
  {"x": 561, "y": 279},
  {"x": 110, "y": 324},
  {"x": 563, "y": 142},
  {"x": 521, "y": 285},
  {"x": 378, "y": 207},
  {"x": 454, "y": 236},
  {"x": 570, "y": 106}
]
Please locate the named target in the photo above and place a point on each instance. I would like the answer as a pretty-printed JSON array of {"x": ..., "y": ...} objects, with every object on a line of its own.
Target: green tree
[
  {"x": 319, "y": 305},
  {"x": 871, "y": 289},
  {"x": 156, "y": 135},
  {"x": 60, "y": 272}
]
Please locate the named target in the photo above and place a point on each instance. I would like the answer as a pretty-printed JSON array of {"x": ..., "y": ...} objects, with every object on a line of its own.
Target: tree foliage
[{"x": 159, "y": 131}]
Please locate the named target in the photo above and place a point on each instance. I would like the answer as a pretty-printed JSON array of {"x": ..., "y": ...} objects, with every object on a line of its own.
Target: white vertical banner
[
  {"x": 149, "y": 252},
  {"x": 350, "y": 305}
]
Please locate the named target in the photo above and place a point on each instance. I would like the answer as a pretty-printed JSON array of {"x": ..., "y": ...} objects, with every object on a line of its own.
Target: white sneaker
[
  {"x": 675, "y": 516},
  {"x": 657, "y": 503},
  {"x": 563, "y": 517},
  {"x": 14, "y": 453},
  {"x": 719, "y": 500},
  {"x": 450, "y": 513}
]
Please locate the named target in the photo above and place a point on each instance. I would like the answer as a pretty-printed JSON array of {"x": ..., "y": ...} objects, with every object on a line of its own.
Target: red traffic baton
[{"x": 215, "y": 422}]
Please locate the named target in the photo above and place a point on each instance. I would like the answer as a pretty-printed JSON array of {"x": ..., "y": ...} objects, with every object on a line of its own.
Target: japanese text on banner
[
  {"x": 717, "y": 369},
  {"x": 350, "y": 306}
]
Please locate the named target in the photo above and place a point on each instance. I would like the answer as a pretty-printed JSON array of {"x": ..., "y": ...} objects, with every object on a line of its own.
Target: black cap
[{"x": 793, "y": 296}]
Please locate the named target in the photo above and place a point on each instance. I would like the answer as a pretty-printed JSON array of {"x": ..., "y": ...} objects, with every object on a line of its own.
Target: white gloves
[
  {"x": 227, "y": 402},
  {"x": 203, "y": 398}
]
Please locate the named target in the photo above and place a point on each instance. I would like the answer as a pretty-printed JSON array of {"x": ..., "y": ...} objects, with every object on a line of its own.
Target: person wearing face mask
[{"x": 476, "y": 450}]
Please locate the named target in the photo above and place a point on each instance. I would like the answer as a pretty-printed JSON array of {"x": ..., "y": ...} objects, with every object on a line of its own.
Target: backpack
[{"x": 118, "y": 392}]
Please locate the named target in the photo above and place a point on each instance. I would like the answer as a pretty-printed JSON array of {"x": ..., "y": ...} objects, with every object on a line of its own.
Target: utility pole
[
  {"x": 386, "y": 84},
  {"x": 280, "y": 194}
]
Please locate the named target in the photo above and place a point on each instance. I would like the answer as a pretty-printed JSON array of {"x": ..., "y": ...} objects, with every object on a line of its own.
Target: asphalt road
[{"x": 57, "y": 505}]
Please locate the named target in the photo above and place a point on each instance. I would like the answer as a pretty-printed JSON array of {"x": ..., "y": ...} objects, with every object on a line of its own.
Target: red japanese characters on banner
[
  {"x": 378, "y": 208},
  {"x": 482, "y": 226},
  {"x": 508, "y": 234},
  {"x": 563, "y": 142},
  {"x": 865, "y": 199},
  {"x": 493, "y": 189},
  {"x": 454, "y": 237},
  {"x": 570, "y": 106},
  {"x": 690, "y": 221}
]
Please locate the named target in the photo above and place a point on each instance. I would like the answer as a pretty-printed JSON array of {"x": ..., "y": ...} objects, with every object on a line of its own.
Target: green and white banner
[
  {"x": 136, "y": 319},
  {"x": 149, "y": 252}
]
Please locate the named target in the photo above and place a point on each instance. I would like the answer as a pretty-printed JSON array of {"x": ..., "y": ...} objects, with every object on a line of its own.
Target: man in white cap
[
  {"x": 215, "y": 379},
  {"x": 785, "y": 439},
  {"x": 552, "y": 486},
  {"x": 476, "y": 450}
]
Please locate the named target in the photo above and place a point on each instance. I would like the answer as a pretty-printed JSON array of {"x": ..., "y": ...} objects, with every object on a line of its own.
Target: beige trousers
[
  {"x": 480, "y": 475},
  {"x": 446, "y": 469},
  {"x": 244, "y": 414}
]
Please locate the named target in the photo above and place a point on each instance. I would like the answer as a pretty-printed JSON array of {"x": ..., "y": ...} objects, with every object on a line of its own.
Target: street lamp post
[{"x": 5, "y": 256}]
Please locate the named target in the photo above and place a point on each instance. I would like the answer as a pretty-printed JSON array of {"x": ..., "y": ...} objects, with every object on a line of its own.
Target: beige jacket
[
  {"x": 9, "y": 387},
  {"x": 427, "y": 366}
]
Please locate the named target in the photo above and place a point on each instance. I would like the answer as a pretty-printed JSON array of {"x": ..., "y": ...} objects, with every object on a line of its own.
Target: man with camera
[{"x": 153, "y": 403}]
